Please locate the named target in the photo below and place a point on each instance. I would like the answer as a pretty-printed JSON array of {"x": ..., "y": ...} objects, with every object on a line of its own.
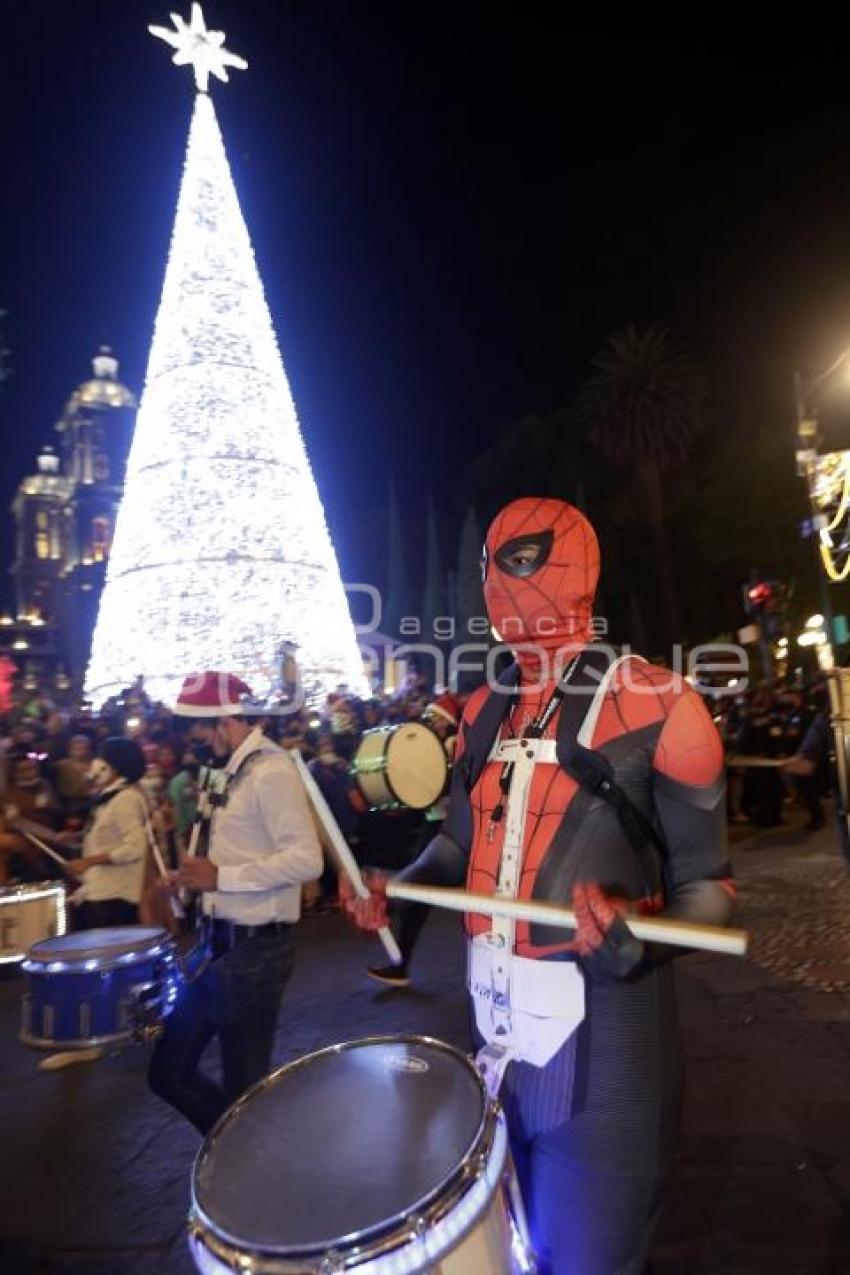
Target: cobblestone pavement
[
  {"x": 795, "y": 901},
  {"x": 95, "y": 1170}
]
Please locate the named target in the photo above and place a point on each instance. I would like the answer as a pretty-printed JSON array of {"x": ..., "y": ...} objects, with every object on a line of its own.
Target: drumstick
[
  {"x": 177, "y": 910},
  {"x": 21, "y": 824},
  {"x": 707, "y": 938},
  {"x": 39, "y": 844},
  {"x": 202, "y": 810},
  {"x": 345, "y": 859}
]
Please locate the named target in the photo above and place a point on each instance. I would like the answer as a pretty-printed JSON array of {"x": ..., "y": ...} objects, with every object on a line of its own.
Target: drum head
[
  {"x": 416, "y": 765},
  {"x": 340, "y": 1145},
  {"x": 88, "y": 945}
]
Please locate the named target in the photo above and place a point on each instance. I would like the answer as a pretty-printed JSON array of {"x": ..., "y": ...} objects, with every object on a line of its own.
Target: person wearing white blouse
[
  {"x": 262, "y": 847},
  {"x": 115, "y": 842},
  {"x": 112, "y": 866}
]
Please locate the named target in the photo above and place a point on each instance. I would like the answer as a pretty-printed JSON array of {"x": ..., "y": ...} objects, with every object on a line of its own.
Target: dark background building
[{"x": 64, "y": 522}]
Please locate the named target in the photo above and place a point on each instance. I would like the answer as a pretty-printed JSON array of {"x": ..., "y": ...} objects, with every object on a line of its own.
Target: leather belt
[{"x": 229, "y": 933}]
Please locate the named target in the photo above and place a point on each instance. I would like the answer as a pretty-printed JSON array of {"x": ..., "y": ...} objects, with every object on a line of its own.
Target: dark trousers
[
  {"x": 412, "y": 917},
  {"x": 236, "y": 998},
  {"x": 809, "y": 788},
  {"x": 106, "y": 912}
]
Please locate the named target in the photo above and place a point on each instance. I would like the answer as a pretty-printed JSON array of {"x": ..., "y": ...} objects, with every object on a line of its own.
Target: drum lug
[
  {"x": 332, "y": 1263},
  {"x": 417, "y": 1226},
  {"x": 143, "y": 1010},
  {"x": 475, "y": 1167}
]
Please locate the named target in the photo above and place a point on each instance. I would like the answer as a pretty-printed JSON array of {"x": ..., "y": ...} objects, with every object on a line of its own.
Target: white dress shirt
[
  {"x": 262, "y": 840},
  {"x": 117, "y": 830}
]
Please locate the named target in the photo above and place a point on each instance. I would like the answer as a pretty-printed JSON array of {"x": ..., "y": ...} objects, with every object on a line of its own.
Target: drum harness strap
[
  {"x": 210, "y": 799},
  {"x": 594, "y": 773}
]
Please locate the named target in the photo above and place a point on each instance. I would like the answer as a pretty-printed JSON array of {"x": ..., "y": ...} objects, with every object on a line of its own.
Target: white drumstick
[
  {"x": 345, "y": 859},
  {"x": 706, "y": 938},
  {"x": 36, "y": 841},
  {"x": 177, "y": 909},
  {"x": 201, "y": 813}
]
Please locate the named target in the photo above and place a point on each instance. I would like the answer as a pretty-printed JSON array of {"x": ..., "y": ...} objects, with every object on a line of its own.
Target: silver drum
[
  {"x": 382, "y": 1156},
  {"x": 29, "y": 913}
]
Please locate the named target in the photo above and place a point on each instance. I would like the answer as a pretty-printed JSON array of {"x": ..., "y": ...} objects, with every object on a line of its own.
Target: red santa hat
[
  {"x": 446, "y": 706},
  {"x": 213, "y": 694}
]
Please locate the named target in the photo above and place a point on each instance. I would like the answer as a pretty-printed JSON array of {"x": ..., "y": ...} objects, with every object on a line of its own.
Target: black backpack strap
[
  {"x": 485, "y": 728},
  {"x": 593, "y": 772}
]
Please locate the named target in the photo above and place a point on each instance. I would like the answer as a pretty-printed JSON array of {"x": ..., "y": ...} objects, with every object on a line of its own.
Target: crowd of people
[
  {"x": 777, "y": 742},
  {"x": 49, "y": 784}
]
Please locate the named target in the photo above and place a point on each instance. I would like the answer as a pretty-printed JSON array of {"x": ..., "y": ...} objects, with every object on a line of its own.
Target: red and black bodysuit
[{"x": 593, "y": 1128}]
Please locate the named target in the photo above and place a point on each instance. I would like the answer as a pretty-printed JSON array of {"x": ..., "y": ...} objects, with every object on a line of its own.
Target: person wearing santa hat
[
  {"x": 585, "y": 777},
  {"x": 262, "y": 848}
]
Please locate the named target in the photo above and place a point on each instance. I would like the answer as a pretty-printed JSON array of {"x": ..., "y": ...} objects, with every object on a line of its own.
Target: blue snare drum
[{"x": 98, "y": 987}]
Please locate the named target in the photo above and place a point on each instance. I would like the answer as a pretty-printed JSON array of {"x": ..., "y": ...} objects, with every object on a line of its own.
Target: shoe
[
  {"x": 391, "y": 975},
  {"x": 55, "y": 1062}
]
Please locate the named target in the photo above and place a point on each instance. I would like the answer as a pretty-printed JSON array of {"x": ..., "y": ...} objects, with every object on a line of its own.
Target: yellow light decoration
[{"x": 832, "y": 486}]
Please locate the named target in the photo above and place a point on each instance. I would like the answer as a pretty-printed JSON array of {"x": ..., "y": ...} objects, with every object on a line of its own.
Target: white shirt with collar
[
  {"x": 118, "y": 830},
  {"x": 262, "y": 840}
]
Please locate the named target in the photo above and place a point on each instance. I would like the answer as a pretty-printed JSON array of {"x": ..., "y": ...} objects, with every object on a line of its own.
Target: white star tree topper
[{"x": 202, "y": 49}]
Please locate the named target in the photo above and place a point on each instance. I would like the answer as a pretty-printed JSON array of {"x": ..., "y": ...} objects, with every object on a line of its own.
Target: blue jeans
[{"x": 236, "y": 998}]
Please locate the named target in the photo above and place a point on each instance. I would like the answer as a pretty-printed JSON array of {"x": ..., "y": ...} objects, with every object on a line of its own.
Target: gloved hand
[
  {"x": 367, "y": 914},
  {"x": 606, "y": 947}
]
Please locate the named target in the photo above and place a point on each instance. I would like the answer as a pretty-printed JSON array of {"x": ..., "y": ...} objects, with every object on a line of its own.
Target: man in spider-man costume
[{"x": 594, "y": 780}]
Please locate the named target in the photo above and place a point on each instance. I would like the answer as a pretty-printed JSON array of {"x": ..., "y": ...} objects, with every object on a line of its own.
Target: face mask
[
  {"x": 99, "y": 773},
  {"x": 540, "y": 569},
  {"x": 200, "y": 755}
]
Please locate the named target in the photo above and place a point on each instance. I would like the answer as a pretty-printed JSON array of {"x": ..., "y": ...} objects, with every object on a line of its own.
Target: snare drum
[
  {"x": 29, "y": 913},
  {"x": 98, "y": 987},
  {"x": 382, "y": 1156},
  {"x": 403, "y": 765}
]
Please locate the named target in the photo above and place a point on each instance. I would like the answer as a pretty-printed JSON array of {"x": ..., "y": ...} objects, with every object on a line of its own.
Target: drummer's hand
[
  {"x": 167, "y": 884},
  {"x": 367, "y": 914},
  {"x": 606, "y": 947},
  {"x": 81, "y": 865},
  {"x": 198, "y": 873},
  {"x": 68, "y": 838}
]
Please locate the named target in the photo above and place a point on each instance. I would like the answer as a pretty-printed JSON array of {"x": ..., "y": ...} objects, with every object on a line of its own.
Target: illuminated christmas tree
[{"x": 221, "y": 553}]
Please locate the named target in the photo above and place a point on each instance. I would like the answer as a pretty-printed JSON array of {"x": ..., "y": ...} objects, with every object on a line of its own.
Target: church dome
[
  {"x": 48, "y": 481},
  {"x": 104, "y": 389}
]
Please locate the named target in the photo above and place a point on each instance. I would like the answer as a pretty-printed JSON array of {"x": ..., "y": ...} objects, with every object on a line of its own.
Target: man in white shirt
[{"x": 262, "y": 848}]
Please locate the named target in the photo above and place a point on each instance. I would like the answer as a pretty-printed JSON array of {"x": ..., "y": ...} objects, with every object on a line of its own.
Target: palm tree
[{"x": 645, "y": 404}]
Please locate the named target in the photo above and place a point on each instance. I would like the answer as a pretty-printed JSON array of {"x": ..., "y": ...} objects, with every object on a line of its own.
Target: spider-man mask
[{"x": 540, "y": 569}]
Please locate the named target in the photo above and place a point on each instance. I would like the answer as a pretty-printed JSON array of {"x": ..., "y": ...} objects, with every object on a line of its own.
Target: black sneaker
[{"x": 391, "y": 975}]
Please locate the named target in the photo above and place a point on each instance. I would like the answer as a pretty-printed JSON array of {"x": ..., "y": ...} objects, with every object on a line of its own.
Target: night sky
[{"x": 451, "y": 211}]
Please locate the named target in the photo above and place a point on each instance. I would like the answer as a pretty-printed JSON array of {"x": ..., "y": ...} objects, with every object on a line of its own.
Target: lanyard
[{"x": 534, "y": 731}]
